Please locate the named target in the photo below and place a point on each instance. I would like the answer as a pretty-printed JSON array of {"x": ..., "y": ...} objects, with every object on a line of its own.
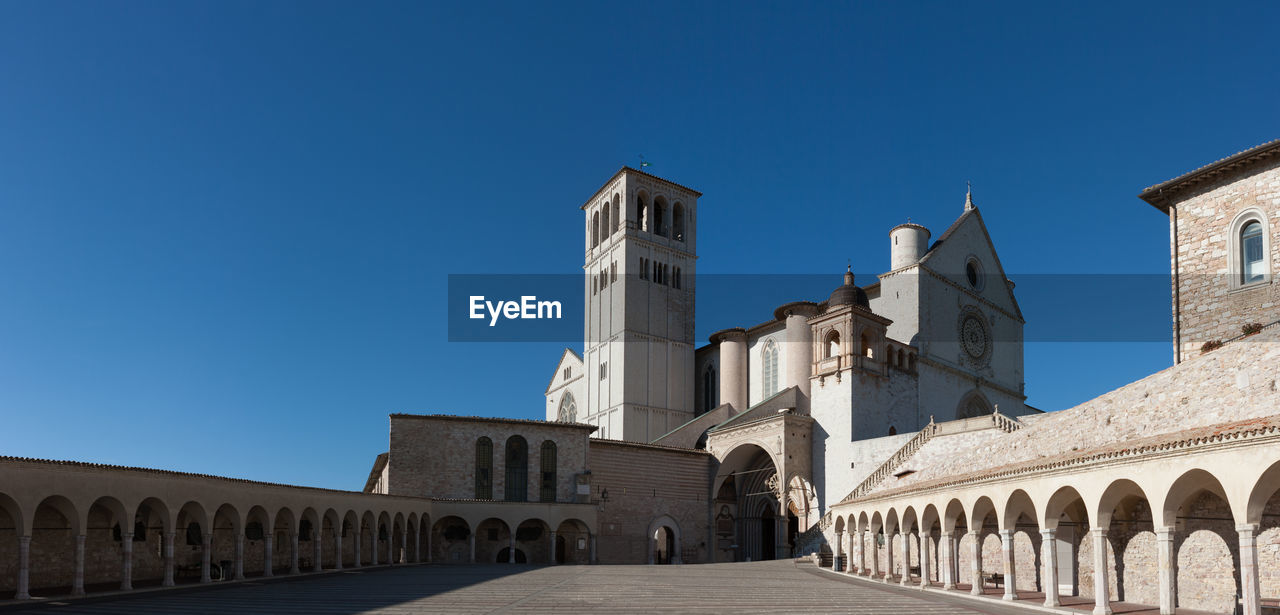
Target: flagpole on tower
[{"x": 643, "y": 163}]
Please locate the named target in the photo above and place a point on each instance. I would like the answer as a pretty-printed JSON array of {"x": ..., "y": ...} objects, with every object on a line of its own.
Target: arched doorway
[
  {"x": 664, "y": 541},
  {"x": 747, "y": 487}
]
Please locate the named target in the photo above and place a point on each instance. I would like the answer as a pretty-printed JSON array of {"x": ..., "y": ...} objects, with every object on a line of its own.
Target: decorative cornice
[{"x": 1162, "y": 195}]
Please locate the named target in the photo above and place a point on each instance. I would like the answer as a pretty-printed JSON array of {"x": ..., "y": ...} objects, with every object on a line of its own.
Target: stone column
[
  {"x": 404, "y": 546},
  {"x": 733, "y": 367},
  {"x": 238, "y": 565},
  {"x": 552, "y": 556},
  {"x": 875, "y": 558},
  {"x": 24, "y": 568},
  {"x": 1250, "y": 592},
  {"x": 206, "y": 556},
  {"x": 1168, "y": 572},
  {"x": 924, "y": 560},
  {"x": 373, "y": 545},
  {"x": 975, "y": 562},
  {"x": 337, "y": 547},
  {"x": 360, "y": 540},
  {"x": 473, "y": 548},
  {"x": 77, "y": 578},
  {"x": 317, "y": 550},
  {"x": 417, "y": 545},
  {"x": 1010, "y": 567},
  {"x": 267, "y": 554},
  {"x": 126, "y": 561},
  {"x": 294, "y": 553},
  {"x": 855, "y": 553},
  {"x": 888, "y": 557},
  {"x": 168, "y": 559},
  {"x": 1101, "y": 589},
  {"x": 945, "y": 572},
  {"x": 838, "y": 551},
  {"x": 428, "y": 558},
  {"x": 906, "y": 559},
  {"x": 1049, "y": 553},
  {"x": 511, "y": 547}
]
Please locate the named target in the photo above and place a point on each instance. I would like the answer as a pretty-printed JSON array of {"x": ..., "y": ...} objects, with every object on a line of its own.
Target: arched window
[
  {"x": 568, "y": 409},
  {"x": 709, "y": 387},
  {"x": 831, "y": 347},
  {"x": 516, "y": 488},
  {"x": 595, "y": 229},
  {"x": 867, "y": 350},
  {"x": 660, "y": 217},
  {"x": 1252, "y": 265},
  {"x": 605, "y": 229},
  {"x": 893, "y": 431},
  {"x": 642, "y": 213},
  {"x": 547, "y": 492},
  {"x": 973, "y": 405},
  {"x": 617, "y": 215},
  {"x": 770, "y": 369},
  {"x": 677, "y": 222},
  {"x": 484, "y": 469}
]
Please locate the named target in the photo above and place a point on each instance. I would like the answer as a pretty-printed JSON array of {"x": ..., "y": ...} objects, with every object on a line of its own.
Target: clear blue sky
[{"x": 225, "y": 227}]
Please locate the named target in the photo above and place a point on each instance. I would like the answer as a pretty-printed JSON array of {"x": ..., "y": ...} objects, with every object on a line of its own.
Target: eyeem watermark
[{"x": 527, "y": 308}]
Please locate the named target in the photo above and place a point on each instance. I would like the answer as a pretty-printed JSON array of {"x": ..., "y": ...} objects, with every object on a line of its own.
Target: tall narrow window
[
  {"x": 770, "y": 369},
  {"x": 605, "y": 229},
  {"x": 709, "y": 389},
  {"x": 617, "y": 218},
  {"x": 659, "y": 217},
  {"x": 1251, "y": 263},
  {"x": 677, "y": 222},
  {"x": 595, "y": 229},
  {"x": 642, "y": 214},
  {"x": 832, "y": 347},
  {"x": 517, "y": 483},
  {"x": 568, "y": 409},
  {"x": 484, "y": 469},
  {"x": 547, "y": 492},
  {"x": 613, "y": 271}
]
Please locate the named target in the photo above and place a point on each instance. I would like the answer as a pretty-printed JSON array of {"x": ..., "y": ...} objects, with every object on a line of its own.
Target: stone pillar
[
  {"x": 404, "y": 546},
  {"x": 924, "y": 560},
  {"x": 1168, "y": 572},
  {"x": 1101, "y": 589},
  {"x": 168, "y": 559},
  {"x": 77, "y": 578},
  {"x": 360, "y": 540},
  {"x": 337, "y": 547},
  {"x": 238, "y": 565},
  {"x": 855, "y": 552},
  {"x": 552, "y": 556},
  {"x": 417, "y": 545},
  {"x": 946, "y": 573},
  {"x": 427, "y": 559},
  {"x": 975, "y": 562},
  {"x": 373, "y": 545},
  {"x": 875, "y": 558},
  {"x": 888, "y": 557},
  {"x": 1010, "y": 566},
  {"x": 906, "y": 559},
  {"x": 1250, "y": 592},
  {"x": 1049, "y": 555},
  {"x": 294, "y": 554},
  {"x": 838, "y": 551},
  {"x": 267, "y": 554},
  {"x": 511, "y": 547},
  {"x": 206, "y": 556},
  {"x": 126, "y": 561},
  {"x": 473, "y": 548},
  {"x": 593, "y": 549},
  {"x": 317, "y": 550},
  {"x": 24, "y": 568},
  {"x": 733, "y": 367}
]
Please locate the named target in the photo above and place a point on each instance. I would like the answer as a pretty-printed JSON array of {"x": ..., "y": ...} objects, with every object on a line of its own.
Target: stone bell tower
[{"x": 641, "y": 234}]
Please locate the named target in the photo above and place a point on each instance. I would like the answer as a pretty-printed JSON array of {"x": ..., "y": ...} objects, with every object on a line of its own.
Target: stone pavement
[{"x": 755, "y": 587}]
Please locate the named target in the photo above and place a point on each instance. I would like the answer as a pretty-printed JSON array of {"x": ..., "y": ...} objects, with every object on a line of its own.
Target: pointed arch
[{"x": 769, "y": 365}]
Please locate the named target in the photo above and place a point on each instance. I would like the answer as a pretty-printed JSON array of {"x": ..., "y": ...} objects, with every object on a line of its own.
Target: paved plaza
[{"x": 759, "y": 587}]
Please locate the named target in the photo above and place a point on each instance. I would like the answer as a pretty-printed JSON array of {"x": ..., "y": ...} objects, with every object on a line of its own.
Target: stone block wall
[
  {"x": 645, "y": 483},
  {"x": 1210, "y": 307},
  {"x": 435, "y": 456}
]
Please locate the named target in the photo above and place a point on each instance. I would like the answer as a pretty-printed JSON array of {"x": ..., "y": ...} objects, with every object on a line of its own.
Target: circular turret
[{"x": 907, "y": 243}]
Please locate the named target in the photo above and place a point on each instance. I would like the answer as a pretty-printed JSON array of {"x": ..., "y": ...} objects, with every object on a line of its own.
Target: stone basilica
[{"x": 882, "y": 430}]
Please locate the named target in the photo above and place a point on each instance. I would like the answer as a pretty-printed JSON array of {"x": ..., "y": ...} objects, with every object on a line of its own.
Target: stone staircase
[{"x": 811, "y": 540}]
